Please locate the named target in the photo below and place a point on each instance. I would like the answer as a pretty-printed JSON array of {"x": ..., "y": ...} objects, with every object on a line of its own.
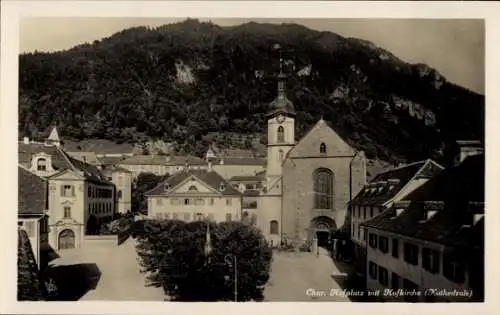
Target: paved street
[
  {"x": 305, "y": 277},
  {"x": 120, "y": 279}
]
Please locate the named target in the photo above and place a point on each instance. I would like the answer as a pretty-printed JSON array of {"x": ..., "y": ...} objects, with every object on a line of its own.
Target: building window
[
  {"x": 430, "y": 260},
  {"x": 322, "y": 148},
  {"x": 371, "y": 212},
  {"x": 359, "y": 211},
  {"x": 166, "y": 215},
  {"x": 372, "y": 270},
  {"x": 192, "y": 188},
  {"x": 222, "y": 187},
  {"x": 372, "y": 240},
  {"x": 364, "y": 213},
  {"x": 395, "y": 248},
  {"x": 187, "y": 201},
  {"x": 159, "y": 216},
  {"x": 67, "y": 212},
  {"x": 174, "y": 201},
  {"x": 273, "y": 228},
  {"x": 383, "y": 276},
  {"x": 228, "y": 217},
  {"x": 67, "y": 191},
  {"x": 210, "y": 217},
  {"x": 41, "y": 164},
  {"x": 253, "y": 219},
  {"x": 323, "y": 189},
  {"x": 175, "y": 216},
  {"x": 453, "y": 268},
  {"x": 228, "y": 202},
  {"x": 211, "y": 201},
  {"x": 383, "y": 244},
  {"x": 394, "y": 281},
  {"x": 187, "y": 216},
  {"x": 411, "y": 254},
  {"x": 364, "y": 234},
  {"x": 159, "y": 201},
  {"x": 89, "y": 192},
  {"x": 281, "y": 155},
  {"x": 119, "y": 195},
  {"x": 200, "y": 202},
  {"x": 281, "y": 134}
]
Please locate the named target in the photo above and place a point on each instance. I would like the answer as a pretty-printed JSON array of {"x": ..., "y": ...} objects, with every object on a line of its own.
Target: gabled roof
[
  {"x": 60, "y": 160},
  {"x": 170, "y": 160},
  {"x": 239, "y": 161},
  {"x": 385, "y": 186},
  {"x": 99, "y": 146},
  {"x": 210, "y": 178},
  {"x": 455, "y": 187},
  {"x": 32, "y": 193},
  {"x": 54, "y": 136}
]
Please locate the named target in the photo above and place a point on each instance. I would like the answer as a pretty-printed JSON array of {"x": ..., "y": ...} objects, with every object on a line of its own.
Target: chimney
[
  {"x": 468, "y": 148},
  {"x": 26, "y": 140}
]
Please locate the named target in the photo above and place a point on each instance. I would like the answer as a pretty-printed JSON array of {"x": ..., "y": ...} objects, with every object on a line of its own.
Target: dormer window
[
  {"x": 322, "y": 148},
  {"x": 41, "y": 164},
  {"x": 222, "y": 187},
  {"x": 166, "y": 186}
]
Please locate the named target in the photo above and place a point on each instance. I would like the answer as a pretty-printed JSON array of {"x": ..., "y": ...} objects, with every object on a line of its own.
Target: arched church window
[
  {"x": 281, "y": 134},
  {"x": 273, "y": 227},
  {"x": 41, "y": 164},
  {"x": 281, "y": 155},
  {"x": 322, "y": 148},
  {"x": 323, "y": 189}
]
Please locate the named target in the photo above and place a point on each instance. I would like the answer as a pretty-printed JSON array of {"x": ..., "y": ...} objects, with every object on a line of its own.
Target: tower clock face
[{"x": 280, "y": 118}]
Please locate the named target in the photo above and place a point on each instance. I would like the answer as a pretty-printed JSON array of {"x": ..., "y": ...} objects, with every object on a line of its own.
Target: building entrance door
[{"x": 67, "y": 239}]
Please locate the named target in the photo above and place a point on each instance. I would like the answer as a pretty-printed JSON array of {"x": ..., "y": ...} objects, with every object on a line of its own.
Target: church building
[{"x": 307, "y": 184}]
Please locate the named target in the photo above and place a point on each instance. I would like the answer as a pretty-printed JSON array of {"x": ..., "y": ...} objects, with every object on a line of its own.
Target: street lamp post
[{"x": 231, "y": 260}]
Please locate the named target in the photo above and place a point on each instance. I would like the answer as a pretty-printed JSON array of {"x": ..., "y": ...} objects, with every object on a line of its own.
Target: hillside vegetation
[{"x": 180, "y": 82}]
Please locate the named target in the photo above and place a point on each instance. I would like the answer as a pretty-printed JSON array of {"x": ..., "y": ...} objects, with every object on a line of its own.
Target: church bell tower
[{"x": 280, "y": 127}]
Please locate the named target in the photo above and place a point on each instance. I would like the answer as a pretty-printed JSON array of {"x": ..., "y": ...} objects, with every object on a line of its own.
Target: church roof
[{"x": 281, "y": 104}]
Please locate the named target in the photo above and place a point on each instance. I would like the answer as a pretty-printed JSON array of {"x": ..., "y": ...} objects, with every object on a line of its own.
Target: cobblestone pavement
[
  {"x": 305, "y": 277},
  {"x": 120, "y": 279}
]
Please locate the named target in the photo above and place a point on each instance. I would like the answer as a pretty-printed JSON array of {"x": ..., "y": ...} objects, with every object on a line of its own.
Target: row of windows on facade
[
  {"x": 186, "y": 216},
  {"x": 191, "y": 201},
  {"x": 381, "y": 274},
  {"x": 95, "y": 192},
  {"x": 100, "y": 208},
  {"x": 247, "y": 186},
  {"x": 362, "y": 212},
  {"x": 452, "y": 269}
]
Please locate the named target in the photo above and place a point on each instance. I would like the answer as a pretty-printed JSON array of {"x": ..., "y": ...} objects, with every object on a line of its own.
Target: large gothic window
[
  {"x": 323, "y": 189},
  {"x": 281, "y": 134}
]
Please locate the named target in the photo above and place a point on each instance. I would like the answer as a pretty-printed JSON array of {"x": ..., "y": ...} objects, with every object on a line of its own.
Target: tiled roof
[
  {"x": 32, "y": 193},
  {"x": 60, "y": 160},
  {"x": 251, "y": 192},
  {"x": 379, "y": 190},
  {"x": 162, "y": 160},
  {"x": 110, "y": 160},
  {"x": 239, "y": 161},
  {"x": 211, "y": 178},
  {"x": 454, "y": 187},
  {"x": 246, "y": 178},
  {"x": 99, "y": 146},
  {"x": 87, "y": 157}
]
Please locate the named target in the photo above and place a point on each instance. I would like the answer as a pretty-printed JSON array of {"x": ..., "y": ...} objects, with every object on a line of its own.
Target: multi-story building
[
  {"x": 378, "y": 195},
  {"x": 431, "y": 243},
  {"x": 79, "y": 195},
  {"x": 195, "y": 195},
  {"x": 161, "y": 164},
  {"x": 32, "y": 211},
  {"x": 122, "y": 179}
]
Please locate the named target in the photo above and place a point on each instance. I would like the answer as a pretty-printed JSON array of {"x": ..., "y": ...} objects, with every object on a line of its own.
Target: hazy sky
[{"x": 454, "y": 47}]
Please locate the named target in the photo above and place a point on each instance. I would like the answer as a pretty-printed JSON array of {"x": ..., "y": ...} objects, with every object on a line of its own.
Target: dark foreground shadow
[
  {"x": 72, "y": 281},
  {"x": 47, "y": 254}
]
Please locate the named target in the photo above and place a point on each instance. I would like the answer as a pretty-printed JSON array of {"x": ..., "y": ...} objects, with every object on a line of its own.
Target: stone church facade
[{"x": 308, "y": 183}]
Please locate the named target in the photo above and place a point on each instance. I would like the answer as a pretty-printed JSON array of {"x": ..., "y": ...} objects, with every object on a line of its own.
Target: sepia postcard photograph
[{"x": 196, "y": 157}]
